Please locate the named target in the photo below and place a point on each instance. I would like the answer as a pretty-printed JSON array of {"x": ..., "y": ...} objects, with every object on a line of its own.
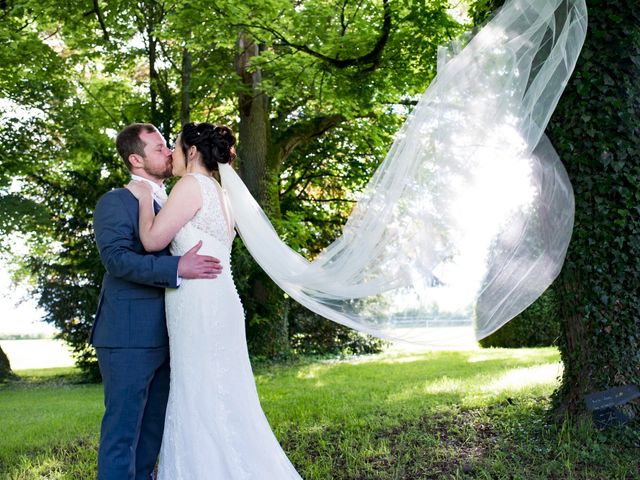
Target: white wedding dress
[{"x": 215, "y": 427}]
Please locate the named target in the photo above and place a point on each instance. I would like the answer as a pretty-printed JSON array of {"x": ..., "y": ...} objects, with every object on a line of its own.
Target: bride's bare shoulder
[
  {"x": 187, "y": 190},
  {"x": 187, "y": 179},
  {"x": 187, "y": 183}
]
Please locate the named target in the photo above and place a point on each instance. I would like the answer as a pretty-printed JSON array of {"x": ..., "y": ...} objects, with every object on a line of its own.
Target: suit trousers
[{"x": 136, "y": 390}]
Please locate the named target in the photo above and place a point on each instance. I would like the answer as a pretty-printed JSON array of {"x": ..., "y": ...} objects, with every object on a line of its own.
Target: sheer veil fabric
[{"x": 467, "y": 220}]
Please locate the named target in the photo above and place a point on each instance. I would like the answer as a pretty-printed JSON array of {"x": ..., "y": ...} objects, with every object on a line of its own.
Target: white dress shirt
[{"x": 159, "y": 195}]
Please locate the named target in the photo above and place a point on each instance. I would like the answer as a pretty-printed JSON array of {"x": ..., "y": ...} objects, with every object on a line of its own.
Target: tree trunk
[
  {"x": 266, "y": 323},
  {"x": 153, "y": 75},
  {"x": 575, "y": 345},
  {"x": 254, "y": 128},
  {"x": 595, "y": 130},
  {"x": 185, "y": 98},
  {"x": 161, "y": 96},
  {"x": 5, "y": 367}
]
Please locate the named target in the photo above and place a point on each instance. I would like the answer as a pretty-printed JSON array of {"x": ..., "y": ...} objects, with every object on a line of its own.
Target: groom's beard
[{"x": 159, "y": 173}]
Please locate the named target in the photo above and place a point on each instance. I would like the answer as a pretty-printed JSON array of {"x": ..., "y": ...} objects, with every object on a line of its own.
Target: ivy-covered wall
[{"x": 596, "y": 131}]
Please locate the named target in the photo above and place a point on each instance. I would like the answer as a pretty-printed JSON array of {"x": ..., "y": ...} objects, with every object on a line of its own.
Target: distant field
[{"x": 41, "y": 353}]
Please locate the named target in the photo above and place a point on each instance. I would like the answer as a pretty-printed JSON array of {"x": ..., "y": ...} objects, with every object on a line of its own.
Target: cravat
[{"x": 161, "y": 196}]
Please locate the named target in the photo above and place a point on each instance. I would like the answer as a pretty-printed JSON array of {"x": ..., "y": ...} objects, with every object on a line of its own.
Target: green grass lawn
[{"x": 469, "y": 414}]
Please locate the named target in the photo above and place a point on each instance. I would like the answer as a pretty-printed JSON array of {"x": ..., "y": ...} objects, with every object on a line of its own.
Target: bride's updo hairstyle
[{"x": 213, "y": 142}]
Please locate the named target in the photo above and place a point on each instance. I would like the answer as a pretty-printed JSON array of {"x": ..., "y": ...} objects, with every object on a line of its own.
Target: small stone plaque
[
  {"x": 602, "y": 405},
  {"x": 611, "y": 397},
  {"x": 609, "y": 417}
]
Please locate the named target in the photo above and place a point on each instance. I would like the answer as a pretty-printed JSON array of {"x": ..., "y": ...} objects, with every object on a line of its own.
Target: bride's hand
[{"x": 139, "y": 189}]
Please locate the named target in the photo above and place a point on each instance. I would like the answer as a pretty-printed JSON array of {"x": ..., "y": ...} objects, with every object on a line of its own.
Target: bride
[{"x": 215, "y": 426}]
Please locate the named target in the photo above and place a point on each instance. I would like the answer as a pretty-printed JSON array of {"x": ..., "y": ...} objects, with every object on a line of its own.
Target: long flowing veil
[{"x": 467, "y": 220}]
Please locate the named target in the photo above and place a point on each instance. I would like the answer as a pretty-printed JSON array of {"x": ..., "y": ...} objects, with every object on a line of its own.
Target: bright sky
[{"x": 16, "y": 317}]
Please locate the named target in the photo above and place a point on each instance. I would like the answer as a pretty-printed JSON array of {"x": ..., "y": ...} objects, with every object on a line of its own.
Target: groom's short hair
[{"x": 128, "y": 140}]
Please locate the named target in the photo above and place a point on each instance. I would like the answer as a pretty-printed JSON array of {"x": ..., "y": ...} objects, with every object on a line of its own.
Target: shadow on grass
[
  {"x": 45, "y": 378},
  {"x": 508, "y": 440},
  {"x": 74, "y": 460}
]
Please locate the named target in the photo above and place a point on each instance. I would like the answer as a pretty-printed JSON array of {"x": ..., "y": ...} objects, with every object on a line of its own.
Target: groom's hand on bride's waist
[{"x": 192, "y": 265}]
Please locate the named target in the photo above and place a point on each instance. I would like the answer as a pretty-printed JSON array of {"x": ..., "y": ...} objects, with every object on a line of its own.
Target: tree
[
  {"x": 55, "y": 118},
  {"x": 288, "y": 77},
  {"x": 274, "y": 123},
  {"x": 5, "y": 367},
  {"x": 596, "y": 132}
]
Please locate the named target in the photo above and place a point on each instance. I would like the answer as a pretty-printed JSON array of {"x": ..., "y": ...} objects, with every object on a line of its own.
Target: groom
[{"x": 130, "y": 333}]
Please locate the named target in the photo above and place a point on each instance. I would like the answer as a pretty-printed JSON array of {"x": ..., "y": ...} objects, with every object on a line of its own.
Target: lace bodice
[{"x": 214, "y": 218}]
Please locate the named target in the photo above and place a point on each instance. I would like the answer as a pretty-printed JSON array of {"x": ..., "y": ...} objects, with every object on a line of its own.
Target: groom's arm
[{"x": 116, "y": 240}]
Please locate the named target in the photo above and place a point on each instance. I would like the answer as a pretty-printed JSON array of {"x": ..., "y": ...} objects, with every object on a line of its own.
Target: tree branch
[
  {"x": 95, "y": 99},
  {"x": 346, "y": 21},
  {"x": 166, "y": 55},
  {"x": 340, "y": 200},
  {"x": 305, "y": 131},
  {"x": 98, "y": 12},
  {"x": 326, "y": 222},
  {"x": 299, "y": 195},
  {"x": 405, "y": 102},
  {"x": 343, "y": 30},
  {"x": 26, "y": 24},
  {"x": 370, "y": 59},
  {"x": 295, "y": 182},
  {"x": 57, "y": 30}
]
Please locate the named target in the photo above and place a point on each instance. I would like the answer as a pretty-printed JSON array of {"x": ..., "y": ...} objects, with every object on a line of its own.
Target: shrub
[
  {"x": 312, "y": 334},
  {"x": 537, "y": 326}
]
